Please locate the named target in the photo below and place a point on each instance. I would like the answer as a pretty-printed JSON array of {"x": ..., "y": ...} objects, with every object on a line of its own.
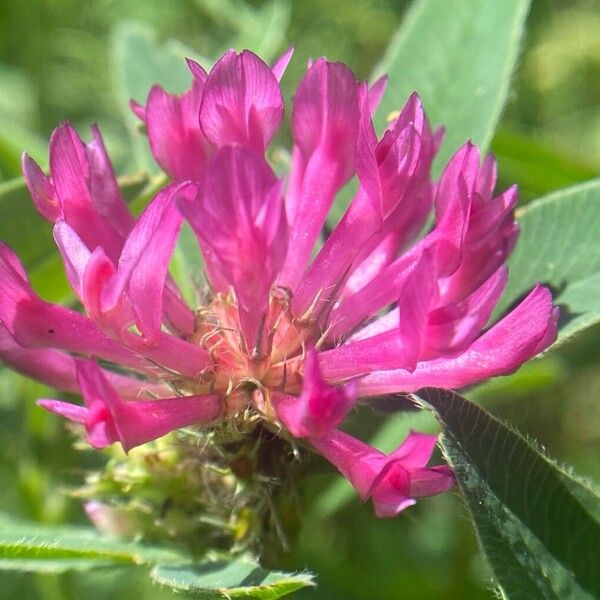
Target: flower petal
[
  {"x": 400, "y": 347},
  {"x": 325, "y": 124},
  {"x": 71, "y": 412},
  {"x": 76, "y": 180},
  {"x": 381, "y": 291},
  {"x": 280, "y": 65},
  {"x": 56, "y": 369},
  {"x": 142, "y": 268},
  {"x": 376, "y": 92},
  {"x": 363, "y": 218},
  {"x": 51, "y": 367},
  {"x": 103, "y": 186},
  {"x": 176, "y": 140},
  {"x": 242, "y": 103},
  {"x": 110, "y": 418},
  {"x": 239, "y": 219},
  {"x": 526, "y": 331},
  {"x": 41, "y": 189},
  {"x": 320, "y": 407},
  {"x": 453, "y": 327},
  {"x": 393, "y": 481}
]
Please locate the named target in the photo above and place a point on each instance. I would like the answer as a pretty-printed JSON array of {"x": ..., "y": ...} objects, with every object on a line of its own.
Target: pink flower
[
  {"x": 109, "y": 418},
  {"x": 393, "y": 481},
  {"x": 292, "y": 340}
]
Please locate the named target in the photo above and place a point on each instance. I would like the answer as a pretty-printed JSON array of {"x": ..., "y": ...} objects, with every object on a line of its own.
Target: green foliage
[
  {"x": 538, "y": 525},
  {"x": 260, "y": 28},
  {"x": 539, "y": 168},
  {"x": 459, "y": 56},
  {"x": 230, "y": 579},
  {"x": 138, "y": 63},
  {"x": 45, "y": 549},
  {"x": 442, "y": 52},
  {"x": 22, "y": 228},
  {"x": 187, "y": 266},
  {"x": 559, "y": 246},
  {"x": 34, "y": 547}
]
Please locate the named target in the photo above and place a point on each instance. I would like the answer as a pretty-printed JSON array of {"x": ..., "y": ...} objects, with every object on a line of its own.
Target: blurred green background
[{"x": 62, "y": 59}]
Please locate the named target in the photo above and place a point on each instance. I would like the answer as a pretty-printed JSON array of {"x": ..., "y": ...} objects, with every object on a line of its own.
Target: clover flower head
[{"x": 293, "y": 330}]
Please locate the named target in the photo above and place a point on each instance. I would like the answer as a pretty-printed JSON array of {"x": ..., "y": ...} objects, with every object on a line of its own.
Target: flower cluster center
[{"x": 245, "y": 375}]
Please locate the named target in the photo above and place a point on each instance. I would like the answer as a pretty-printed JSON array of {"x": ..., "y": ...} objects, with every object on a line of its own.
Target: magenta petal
[
  {"x": 41, "y": 189},
  {"x": 104, "y": 188},
  {"x": 320, "y": 407},
  {"x": 55, "y": 369},
  {"x": 239, "y": 218},
  {"x": 35, "y": 323},
  {"x": 106, "y": 302},
  {"x": 393, "y": 481},
  {"x": 325, "y": 124},
  {"x": 200, "y": 75},
  {"x": 381, "y": 291},
  {"x": 403, "y": 160},
  {"x": 175, "y": 137},
  {"x": 100, "y": 273},
  {"x": 371, "y": 265},
  {"x": 293, "y": 195},
  {"x": 400, "y": 347},
  {"x": 69, "y": 411},
  {"x": 74, "y": 252},
  {"x": 320, "y": 184},
  {"x": 387, "y": 322},
  {"x": 281, "y": 64},
  {"x": 416, "y": 449},
  {"x": 486, "y": 179},
  {"x": 413, "y": 308},
  {"x": 242, "y": 103},
  {"x": 110, "y": 418},
  {"x": 376, "y": 92},
  {"x": 490, "y": 237},
  {"x": 455, "y": 326},
  {"x": 405, "y": 476},
  {"x": 326, "y": 113},
  {"x": 138, "y": 110},
  {"x": 38, "y": 324},
  {"x": 363, "y": 218},
  {"x": 384, "y": 351},
  {"x": 391, "y": 491},
  {"x": 15, "y": 287},
  {"x": 75, "y": 179},
  {"x": 431, "y": 481},
  {"x": 529, "y": 329},
  {"x": 452, "y": 206},
  {"x": 354, "y": 459},
  {"x": 144, "y": 262}
]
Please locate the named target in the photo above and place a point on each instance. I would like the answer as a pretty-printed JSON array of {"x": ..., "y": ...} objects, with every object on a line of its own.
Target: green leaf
[
  {"x": 459, "y": 56},
  {"x": 536, "y": 167},
  {"x": 37, "y": 547},
  {"x": 18, "y": 118},
  {"x": 260, "y": 29},
  {"x": 538, "y": 525},
  {"x": 230, "y": 579},
  {"x": 30, "y": 236},
  {"x": 21, "y": 227},
  {"x": 138, "y": 63},
  {"x": 559, "y": 246},
  {"x": 187, "y": 266}
]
